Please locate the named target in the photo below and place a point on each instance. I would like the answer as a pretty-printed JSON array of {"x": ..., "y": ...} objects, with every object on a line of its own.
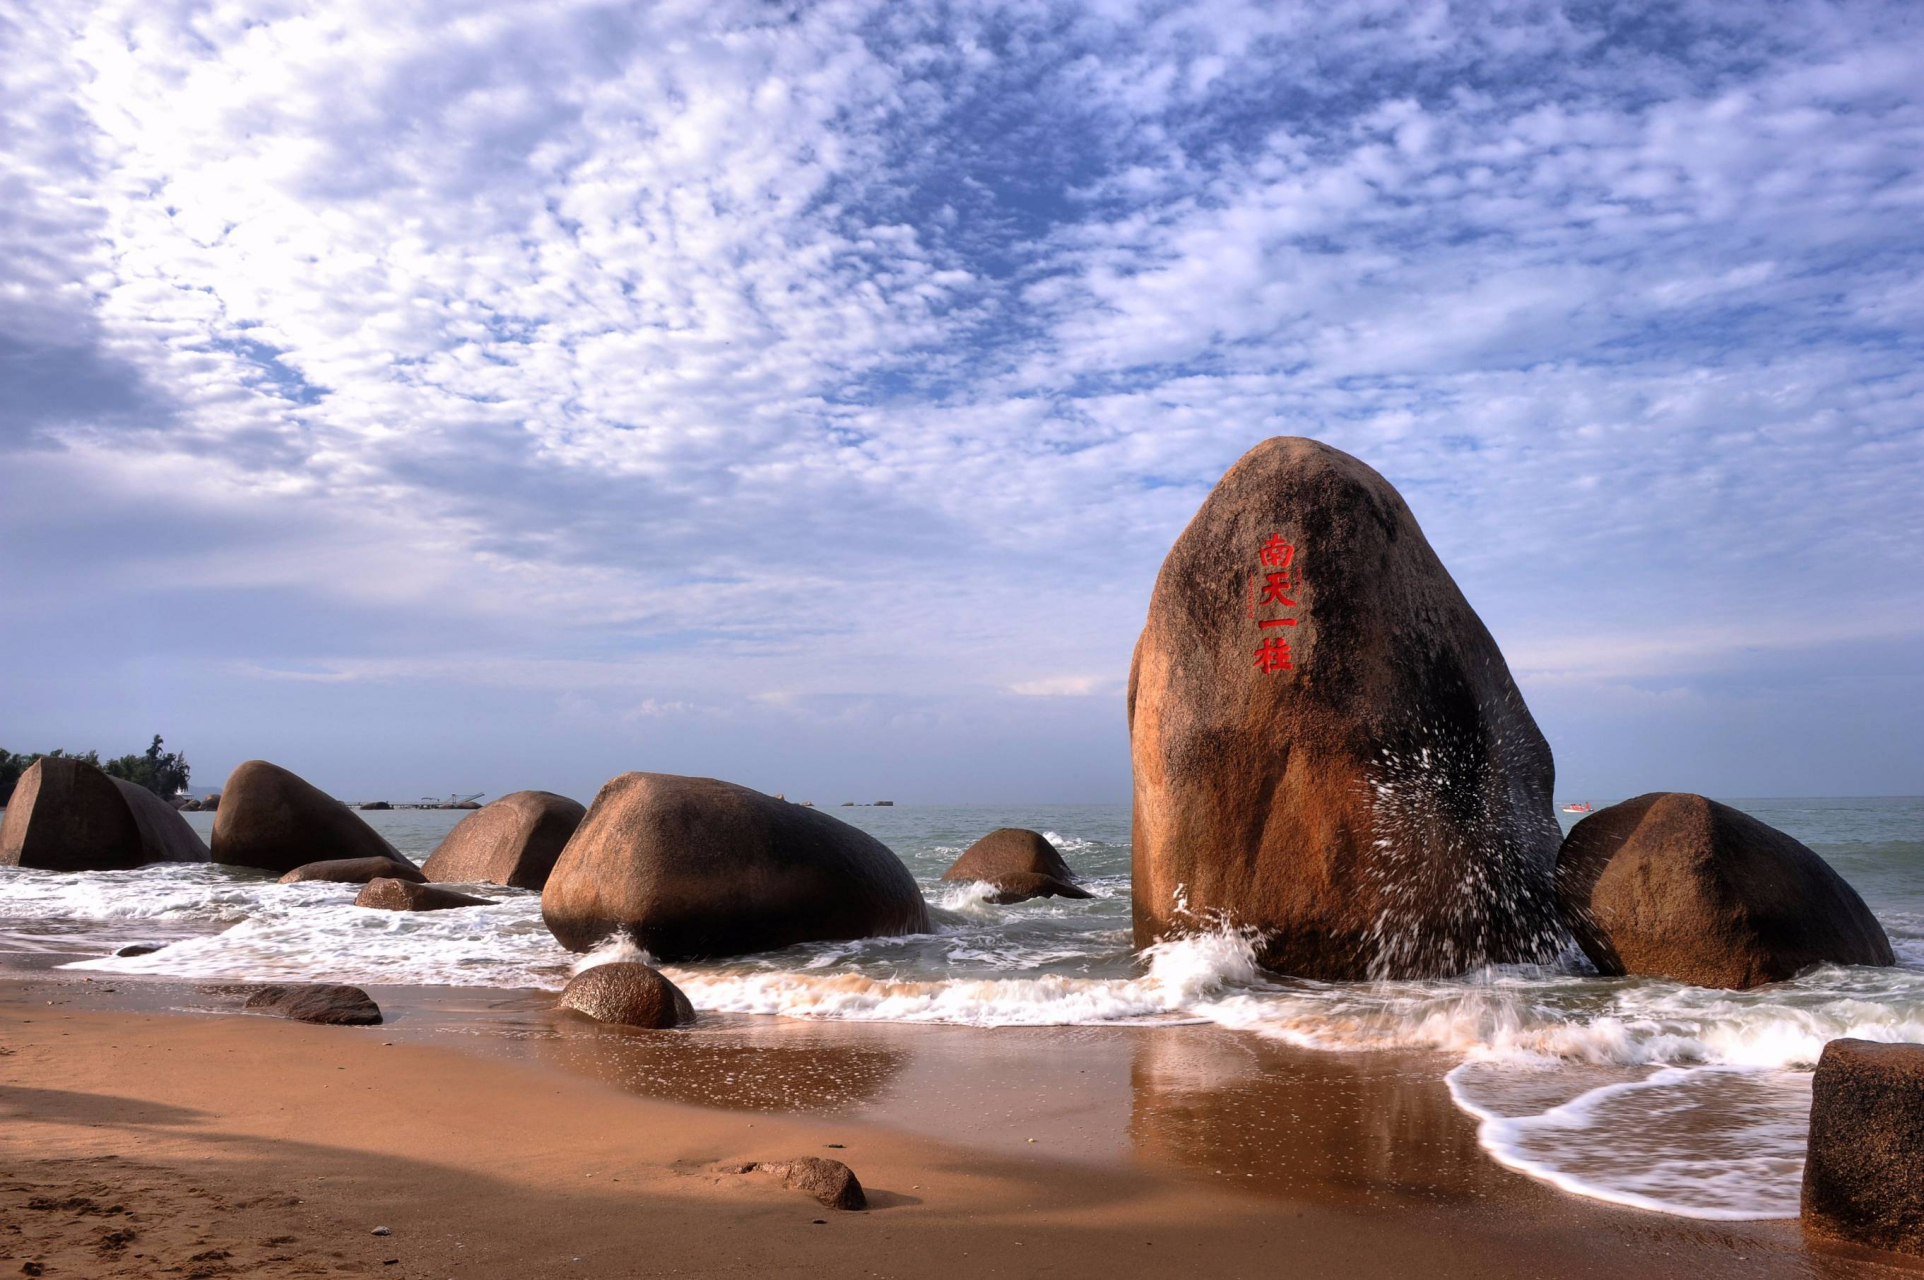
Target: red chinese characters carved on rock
[{"x": 1280, "y": 578}]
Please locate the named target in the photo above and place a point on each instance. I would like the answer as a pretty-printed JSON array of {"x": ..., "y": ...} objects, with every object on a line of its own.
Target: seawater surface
[{"x": 1645, "y": 1093}]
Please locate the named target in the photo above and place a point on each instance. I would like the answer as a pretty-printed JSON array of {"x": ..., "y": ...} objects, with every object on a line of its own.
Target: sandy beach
[{"x": 140, "y": 1141}]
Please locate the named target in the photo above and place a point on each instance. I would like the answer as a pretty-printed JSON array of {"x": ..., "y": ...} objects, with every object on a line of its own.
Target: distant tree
[{"x": 163, "y": 773}]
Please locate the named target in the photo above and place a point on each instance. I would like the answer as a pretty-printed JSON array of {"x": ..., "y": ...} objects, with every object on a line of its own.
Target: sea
[{"x": 1637, "y": 1091}]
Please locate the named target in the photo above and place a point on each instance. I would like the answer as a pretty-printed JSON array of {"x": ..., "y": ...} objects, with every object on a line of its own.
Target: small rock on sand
[
  {"x": 330, "y": 1003},
  {"x": 829, "y": 1181}
]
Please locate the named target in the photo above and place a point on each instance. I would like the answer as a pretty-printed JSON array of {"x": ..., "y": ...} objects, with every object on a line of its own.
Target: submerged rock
[
  {"x": 389, "y": 894},
  {"x": 323, "y": 1002},
  {"x": 68, "y": 815},
  {"x": 138, "y": 949},
  {"x": 355, "y": 871},
  {"x": 273, "y": 819},
  {"x": 1864, "y": 1169},
  {"x": 632, "y": 995},
  {"x": 1673, "y": 885},
  {"x": 697, "y": 867},
  {"x": 513, "y": 841},
  {"x": 377, "y": 805},
  {"x": 1020, "y": 864},
  {"x": 1328, "y": 748}
]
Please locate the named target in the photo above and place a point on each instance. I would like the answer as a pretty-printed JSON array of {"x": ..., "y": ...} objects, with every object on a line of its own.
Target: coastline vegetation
[{"x": 165, "y": 773}]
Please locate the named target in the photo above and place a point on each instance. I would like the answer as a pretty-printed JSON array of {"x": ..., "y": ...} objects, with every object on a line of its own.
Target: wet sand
[{"x": 148, "y": 1131}]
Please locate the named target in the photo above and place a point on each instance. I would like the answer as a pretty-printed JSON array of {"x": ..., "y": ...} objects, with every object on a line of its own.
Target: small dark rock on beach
[
  {"x": 329, "y": 1003},
  {"x": 632, "y": 995}
]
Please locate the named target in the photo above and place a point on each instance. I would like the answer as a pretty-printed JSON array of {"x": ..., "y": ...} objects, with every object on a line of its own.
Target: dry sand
[{"x": 142, "y": 1143}]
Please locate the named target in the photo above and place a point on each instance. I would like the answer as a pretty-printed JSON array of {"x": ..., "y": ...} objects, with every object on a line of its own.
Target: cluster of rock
[
  {"x": 1329, "y": 752},
  {"x": 1377, "y": 803}
]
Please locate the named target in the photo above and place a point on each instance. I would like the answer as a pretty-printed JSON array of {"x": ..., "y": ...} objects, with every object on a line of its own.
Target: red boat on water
[{"x": 1581, "y": 807}]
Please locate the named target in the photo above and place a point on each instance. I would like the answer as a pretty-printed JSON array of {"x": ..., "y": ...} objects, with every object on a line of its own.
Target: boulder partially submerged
[
  {"x": 69, "y": 815},
  {"x": 390, "y": 894},
  {"x": 1674, "y": 885},
  {"x": 1328, "y": 748},
  {"x": 632, "y": 995},
  {"x": 323, "y": 1002},
  {"x": 1864, "y": 1165},
  {"x": 355, "y": 871},
  {"x": 1020, "y": 864},
  {"x": 276, "y": 820},
  {"x": 512, "y": 841},
  {"x": 689, "y": 867}
]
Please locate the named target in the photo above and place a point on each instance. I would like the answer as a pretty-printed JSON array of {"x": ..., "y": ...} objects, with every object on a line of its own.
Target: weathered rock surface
[
  {"x": 513, "y": 841},
  {"x": 356, "y": 871},
  {"x": 1021, "y": 864},
  {"x": 829, "y": 1181},
  {"x": 692, "y": 867},
  {"x": 276, "y": 820},
  {"x": 324, "y": 1002},
  {"x": 68, "y": 815},
  {"x": 1677, "y": 886},
  {"x": 389, "y": 894},
  {"x": 633, "y": 995},
  {"x": 1327, "y": 744},
  {"x": 1864, "y": 1169}
]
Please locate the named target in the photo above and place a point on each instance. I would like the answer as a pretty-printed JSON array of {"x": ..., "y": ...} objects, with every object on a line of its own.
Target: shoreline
[{"x": 471, "y": 1121}]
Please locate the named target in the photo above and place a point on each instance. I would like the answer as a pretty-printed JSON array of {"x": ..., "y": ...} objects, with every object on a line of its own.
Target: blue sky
[{"x": 456, "y": 396}]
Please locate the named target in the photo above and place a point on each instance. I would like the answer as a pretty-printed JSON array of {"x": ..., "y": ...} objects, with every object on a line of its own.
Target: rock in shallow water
[
  {"x": 1864, "y": 1169},
  {"x": 1327, "y": 745},
  {"x": 1021, "y": 864},
  {"x": 689, "y": 867},
  {"x": 324, "y": 1002},
  {"x": 68, "y": 815},
  {"x": 513, "y": 841},
  {"x": 276, "y": 820},
  {"x": 388, "y": 894},
  {"x": 355, "y": 871},
  {"x": 629, "y": 994},
  {"x": 1677, "y": 886}
]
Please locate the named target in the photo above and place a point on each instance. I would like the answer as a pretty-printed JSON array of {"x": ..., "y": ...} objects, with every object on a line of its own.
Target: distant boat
[{"x": 1582, "y": 807}]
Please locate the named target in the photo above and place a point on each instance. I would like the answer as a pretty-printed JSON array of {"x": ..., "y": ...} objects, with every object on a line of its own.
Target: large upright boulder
[
  {"x": 690, "y": 867},
  {"x": 1672, "y": 885},
  {"x": 1328, "y": 747},
  {"x": 278, "y": 821},
  {"x": 513, "y": 841},
  {"x": 68, "y": 815}
]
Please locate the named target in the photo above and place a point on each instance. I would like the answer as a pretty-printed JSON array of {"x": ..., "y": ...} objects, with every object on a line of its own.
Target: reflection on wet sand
[
  {"x": 744, "y": 1065},
  {"x": 1296, "y": 1122}
]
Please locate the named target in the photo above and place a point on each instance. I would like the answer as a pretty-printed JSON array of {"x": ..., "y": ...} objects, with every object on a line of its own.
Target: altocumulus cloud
[{"x": 475, "y": 394}]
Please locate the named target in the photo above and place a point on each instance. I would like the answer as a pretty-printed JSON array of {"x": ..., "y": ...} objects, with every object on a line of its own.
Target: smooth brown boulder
[
  {"x": 633, "y": 995},
  {"x": 355, "y": 871},
  {"x": 1673, "y": 885},
  {"x": 68, "y": 815},
  {"x": 324, "y": 1002},
  {"x": 273, "y": 819},
  {"x": 689, "y": 867},
  {"x": 1020, "y": 864},
  {"x": 513, "y": 841},
  {"x": 388, "y": 894},
  {"x": 1864, "y": 1166},
  {"x": 1327, "y": 744}
]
